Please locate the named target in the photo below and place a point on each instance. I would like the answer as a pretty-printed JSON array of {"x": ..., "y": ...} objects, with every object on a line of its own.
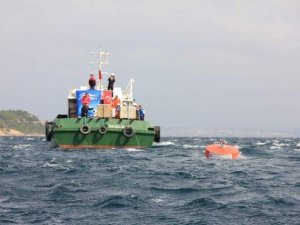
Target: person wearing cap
[
  {"x": 92, "y": 81},
  {"x": 111, "y": 81},
  {"x": 141, "y": 112}
]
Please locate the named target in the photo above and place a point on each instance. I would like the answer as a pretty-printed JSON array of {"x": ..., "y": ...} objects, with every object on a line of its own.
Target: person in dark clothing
[
  {"x": 85, "y": 111},
  {"x": 111, "y": 81},
  {"x": 92, "y": 82}
]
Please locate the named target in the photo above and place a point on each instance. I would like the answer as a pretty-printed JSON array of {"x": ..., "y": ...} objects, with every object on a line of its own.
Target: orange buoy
[{"x": 222, "y": 149}]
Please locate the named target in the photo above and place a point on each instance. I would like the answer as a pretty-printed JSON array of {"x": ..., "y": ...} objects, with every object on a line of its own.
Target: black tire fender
[
  {"x": 128, "y": 132},
  {"x": 85, "y": 129},
  {"x": 102, "y": 129}
]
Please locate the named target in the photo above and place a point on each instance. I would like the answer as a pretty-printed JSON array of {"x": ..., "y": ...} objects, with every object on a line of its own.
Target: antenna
[{"x": 103, "y": 60}]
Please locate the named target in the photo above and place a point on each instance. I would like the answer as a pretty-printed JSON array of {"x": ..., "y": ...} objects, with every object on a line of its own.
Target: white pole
[{"x": 100, "y": 69}]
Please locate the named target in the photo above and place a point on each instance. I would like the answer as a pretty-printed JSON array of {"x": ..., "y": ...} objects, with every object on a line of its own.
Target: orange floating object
[{"x": 222, "y": 149}]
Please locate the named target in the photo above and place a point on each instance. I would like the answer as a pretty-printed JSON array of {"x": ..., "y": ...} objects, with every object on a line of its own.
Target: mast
[
  {"x": 103, "y": 60},
  {"x": 128, "y": 94}
]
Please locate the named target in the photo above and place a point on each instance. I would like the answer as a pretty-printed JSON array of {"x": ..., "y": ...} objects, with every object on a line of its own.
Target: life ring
[
  {"x": 85, "y": 129},
  {"x": 102, "y": 130},
  {"x": 128, "y": 132}
]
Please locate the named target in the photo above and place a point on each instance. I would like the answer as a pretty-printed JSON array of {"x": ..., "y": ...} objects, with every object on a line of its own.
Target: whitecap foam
[
  {"x": 186, "y": 146},
  {"x": 134, "y": 149},
  {"x": 21, "y": 146},
  {"x": 241, "y": 156},
  {"x": 198, "y": 139},
  {"x": 47, "y": 164},
  {"x": 244, "y": 146},
  {"x": 166, "y": 143},
  {"x": 157, "y": 200},
  {"x": 275, "y": 147},
  {"x": 280, "y": 144},
  {"x": 260, "y": 143},
  {"x": 30, "y": 138}
]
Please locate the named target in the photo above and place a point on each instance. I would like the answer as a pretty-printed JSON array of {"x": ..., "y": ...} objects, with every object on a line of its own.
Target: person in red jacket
[
  {"x": 86, "y": 100},
  {"x": 115, "y": 101},
  {"x": 115, "y": 106}
]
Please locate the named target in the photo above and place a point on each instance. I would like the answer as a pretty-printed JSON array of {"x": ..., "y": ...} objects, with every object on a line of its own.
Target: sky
[{"x": 208, "y": 64}]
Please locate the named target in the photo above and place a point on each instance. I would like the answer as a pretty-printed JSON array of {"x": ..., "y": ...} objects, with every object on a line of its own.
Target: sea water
[{"x": 170, "y": 183}]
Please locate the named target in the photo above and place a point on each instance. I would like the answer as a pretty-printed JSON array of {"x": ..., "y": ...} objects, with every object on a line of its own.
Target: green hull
[{"x": 87, "y": 133}]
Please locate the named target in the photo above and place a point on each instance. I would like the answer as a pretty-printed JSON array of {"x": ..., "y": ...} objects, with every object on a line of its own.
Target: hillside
[{"x": 18, "y": 122}]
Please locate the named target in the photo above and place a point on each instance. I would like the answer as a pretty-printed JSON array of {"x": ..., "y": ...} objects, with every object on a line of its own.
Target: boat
[
  {"x": 222, "y": 148},
  {"x": 105, "y": 126}
]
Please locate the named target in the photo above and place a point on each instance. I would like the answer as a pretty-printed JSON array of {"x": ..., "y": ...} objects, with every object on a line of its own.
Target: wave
[
  {"x": 183, "y": 190},
  {"x": 279, "y": 144},
  {"x": 60, "y": 193},
  {"x": 165, "y": 143},
  {"x": 205, "y": 202},
  {"x": 260, "y": 143},
  {"x": 275, "y": 147},
  {"x": 22, "y": 146},
  {"x": 48, "y": 164},
  {"x": 188, "y": 146},
  {"x": 30, "y": 139},
  {"x": 134, "y": 150},
  {"x": 158, "y": 199},
  {"x": 118, "y": 201},
  {"x": 173, "y": 183}
]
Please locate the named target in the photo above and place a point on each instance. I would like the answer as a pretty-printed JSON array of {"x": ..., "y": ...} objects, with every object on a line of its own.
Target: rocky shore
[{"x": 12, "y": 132}]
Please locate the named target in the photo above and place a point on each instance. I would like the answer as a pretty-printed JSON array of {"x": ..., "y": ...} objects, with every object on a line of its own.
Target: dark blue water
[{"x": 171, "y": 183}]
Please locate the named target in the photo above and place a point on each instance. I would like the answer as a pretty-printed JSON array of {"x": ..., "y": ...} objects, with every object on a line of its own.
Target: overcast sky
[{"x": 202, "y": 64}]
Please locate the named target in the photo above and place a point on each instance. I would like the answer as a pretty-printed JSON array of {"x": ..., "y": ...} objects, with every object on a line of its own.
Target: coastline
[
  {"x": 184, "y": 132},
  {"x": 6, "y": 132}
]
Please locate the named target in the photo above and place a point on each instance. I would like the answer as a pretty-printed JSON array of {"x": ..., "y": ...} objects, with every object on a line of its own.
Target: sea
[{"x": 170, "y": 183}]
